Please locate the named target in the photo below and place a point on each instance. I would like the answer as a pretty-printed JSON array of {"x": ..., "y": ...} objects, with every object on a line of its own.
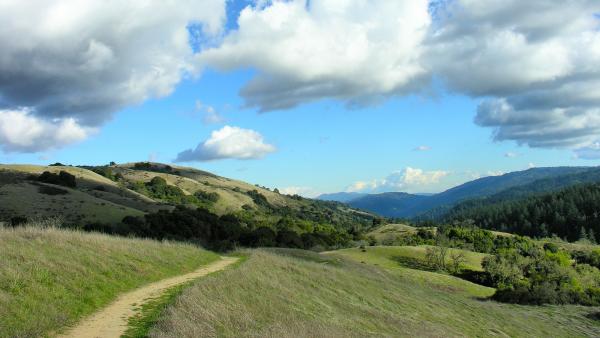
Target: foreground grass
[
  {"x": 139, "y": 326},
  {"x": 285, "y": 293},
  {"x": 50, "y": 278}
]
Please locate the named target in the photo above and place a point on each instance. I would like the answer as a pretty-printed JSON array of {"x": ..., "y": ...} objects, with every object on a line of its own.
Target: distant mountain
[
  {"x": 521, "y": 183},
  {"x": 343, "y": 197},
  {"x": 389, "y": 204}
]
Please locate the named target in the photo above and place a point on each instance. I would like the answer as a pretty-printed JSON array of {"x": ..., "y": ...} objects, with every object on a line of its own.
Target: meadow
[{"x": 295, "y": 293}]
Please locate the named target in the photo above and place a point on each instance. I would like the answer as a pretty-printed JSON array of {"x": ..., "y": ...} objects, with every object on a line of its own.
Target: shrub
[{"x": 63, "y": 178}]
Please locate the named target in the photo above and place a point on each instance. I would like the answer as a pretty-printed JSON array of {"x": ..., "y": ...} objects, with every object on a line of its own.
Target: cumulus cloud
[
  {"x": 80, "y": 61},
  {"x": 355, "y": 51},
  {"x": 407, "y": 180},
  {"x": 21, "y": 131},
  {"x": 539, "y": 79},
  {"x": 228, "y": 143},
  {"x": 511, "y": 154}
]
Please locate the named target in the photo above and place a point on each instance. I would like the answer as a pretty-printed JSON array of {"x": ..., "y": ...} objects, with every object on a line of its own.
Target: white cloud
[
  {"x": 302, "y": 191},
  {"x": 591, "y": 152},
  {"x": 422, "y": 148},
  {"x": 407, "y": 180},
  {"x": 355, "y": 51},
  {"x": 228, "y": 143},
  {"x": 21, "y": 131},
  {"x": 80, "y": 61},
  {"x": 210, "y": 114},
  {"x": 537, "y": 78},
  {"x": 511, "y": 154}
]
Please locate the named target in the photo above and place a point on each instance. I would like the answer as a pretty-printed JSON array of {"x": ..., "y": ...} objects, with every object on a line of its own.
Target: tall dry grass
[
  {"x": 51, "y": 277},
  {"x": 301, "y": 294}
]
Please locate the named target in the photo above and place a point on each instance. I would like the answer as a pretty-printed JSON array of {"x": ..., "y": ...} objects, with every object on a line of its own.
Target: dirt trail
[{"x": 112, "y": 320}]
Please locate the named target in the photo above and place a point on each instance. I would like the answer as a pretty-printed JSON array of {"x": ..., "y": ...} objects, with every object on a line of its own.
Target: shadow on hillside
[
  {"x": 477, "y": 277},
  {"x": 412, "y": 263}
]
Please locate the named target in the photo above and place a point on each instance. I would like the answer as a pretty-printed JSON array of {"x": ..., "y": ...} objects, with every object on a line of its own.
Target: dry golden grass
[
  {"x": 49, "y": 277},
  {"x": 289, "y": 293}
]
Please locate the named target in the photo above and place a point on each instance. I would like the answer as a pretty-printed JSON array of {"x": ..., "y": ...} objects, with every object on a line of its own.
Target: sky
[{"x": 308, "y": 97}]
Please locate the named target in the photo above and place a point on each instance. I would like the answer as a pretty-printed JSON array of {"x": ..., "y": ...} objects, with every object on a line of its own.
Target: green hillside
[
  {"x": 50, "y": 278},
  {"x": 287, "y": 293}
]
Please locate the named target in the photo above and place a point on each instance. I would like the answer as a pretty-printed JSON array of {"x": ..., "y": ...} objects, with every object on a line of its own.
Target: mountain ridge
[{"x": 405, "y": 205}]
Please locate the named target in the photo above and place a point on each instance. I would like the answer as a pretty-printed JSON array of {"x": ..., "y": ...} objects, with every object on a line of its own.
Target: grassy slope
[
  {"x": 302, "y": 294},
  {"x": 192, "y": 180},
  {"x": 21, "y": 197},
  {"x": 391, "y": 256},
  {"x": 49, "y": 278}
]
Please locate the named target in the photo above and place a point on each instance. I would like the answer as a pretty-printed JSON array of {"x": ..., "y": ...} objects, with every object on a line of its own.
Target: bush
[
  {"x": 210, "y": 197},
  {"x": 63, "y": 178},
  {"x": 551, "y": 247}
]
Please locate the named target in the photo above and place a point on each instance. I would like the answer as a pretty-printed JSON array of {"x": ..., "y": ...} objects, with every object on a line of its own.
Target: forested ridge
[{"x": 572, "y": 213}]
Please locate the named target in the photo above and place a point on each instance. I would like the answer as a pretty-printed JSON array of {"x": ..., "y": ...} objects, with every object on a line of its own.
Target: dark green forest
[{"x": 572, "y": 214}]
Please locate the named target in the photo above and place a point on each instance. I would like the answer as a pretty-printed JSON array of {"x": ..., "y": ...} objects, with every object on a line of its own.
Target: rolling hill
[
  {"x": 514, "y": 184},
  {"x": 22, "y": 195}
]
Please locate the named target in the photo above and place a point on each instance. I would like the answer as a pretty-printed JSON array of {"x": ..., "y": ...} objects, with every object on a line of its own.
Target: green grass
[
  {"x": 405, "y": 261},
  {"x": 290, "y": 293},
  {"x": 392, "y": 256},
  {"x": 50, "y": 278}
]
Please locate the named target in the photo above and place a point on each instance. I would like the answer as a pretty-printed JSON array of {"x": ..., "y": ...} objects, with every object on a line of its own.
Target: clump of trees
[
  {"x": 224, "y": 232},
  {"x": 259, "y": 199},
  {"x": 107, "y": 172},
  {"x": 547, "y": 275},
  {"x": 62, "y": 178},
  {"x": 147, "y": 166},
  {"x": 209, "y": 197}
]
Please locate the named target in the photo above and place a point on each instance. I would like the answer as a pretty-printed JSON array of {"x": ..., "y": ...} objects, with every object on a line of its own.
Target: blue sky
[{"x": 324, "y": 144}]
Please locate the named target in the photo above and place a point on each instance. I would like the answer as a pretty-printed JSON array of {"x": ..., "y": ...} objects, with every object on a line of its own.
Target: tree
[
  {"x": 435, "y": 257},
  {"x": 457, "y": 259},
  {"x": 583, "y": 236}
]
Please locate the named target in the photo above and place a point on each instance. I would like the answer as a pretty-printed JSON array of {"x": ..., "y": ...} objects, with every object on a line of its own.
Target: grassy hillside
[
  {"x": 94, "y": 199},
  {"x": 106, "y": 194},
  {"x": 49, "y": 278},
  {"x": 287, "y": 293},
  {"x": 400, "y": 256}
]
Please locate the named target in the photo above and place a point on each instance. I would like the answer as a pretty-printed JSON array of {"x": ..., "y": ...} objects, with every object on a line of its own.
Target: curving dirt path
[{"x": 112, "y": 320}]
